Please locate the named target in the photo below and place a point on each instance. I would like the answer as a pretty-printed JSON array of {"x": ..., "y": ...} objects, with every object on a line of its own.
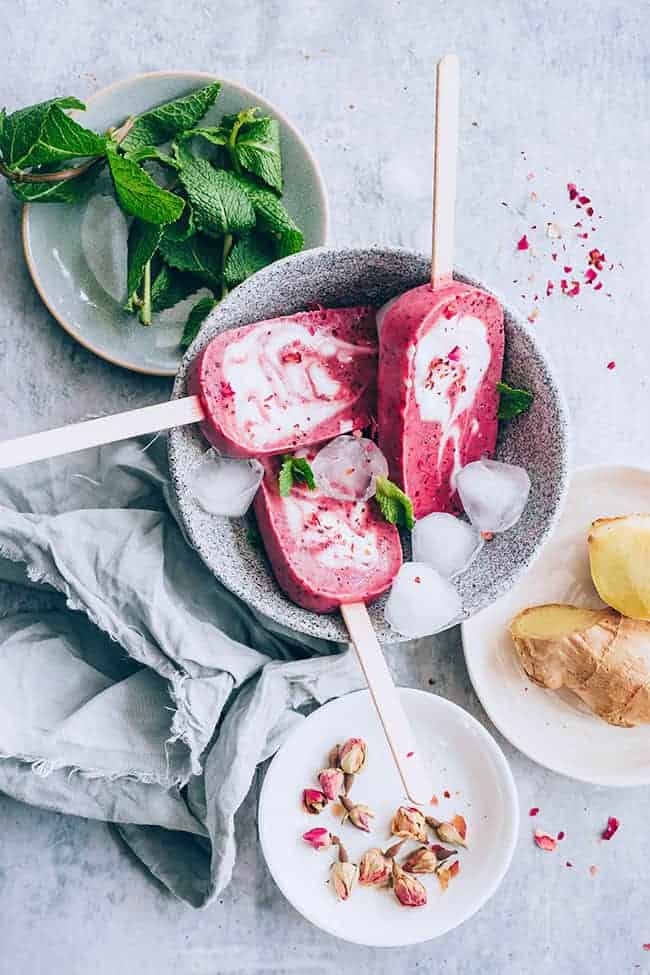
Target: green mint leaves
[
  {"x": 294, "y": 470},
  {"x": 395, "y": 506},
  {"x": 171, "y": 119},
  {"x": 204, "y": 199},
  {"x": 512, "y": 401},
  {"x": 195, "y": 319}
]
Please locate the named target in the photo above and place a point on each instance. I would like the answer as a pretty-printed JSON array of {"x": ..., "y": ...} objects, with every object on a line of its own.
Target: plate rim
[
  {"x": 510, "y": 801},
  {"x": 512, "y": 739},
  {"x": 189, "y": 75}
]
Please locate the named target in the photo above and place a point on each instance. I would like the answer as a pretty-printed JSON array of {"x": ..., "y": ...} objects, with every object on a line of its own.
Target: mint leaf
[
  {"x": 168, "y": 120},
  {"x": 171, "y": 286},
  {"x": 184, "y": 227},
  {"x": 219, "y": 202},
  {"x": 195, "y": 319},
  {"x": 512, "y": 401},
  {"x": 197, "y": 254},
  {"x": 247, "y": 256},
  {"x": 256, "y": 148},
  {"x": 215, "y": 134},
  {"x": 142, "y": 245},
  {"x": 137, "y": 193},
  {"x": 395, "y": 506},
  {"x": 144, "y": 153},
  {"x": 294, "y": 470},
  {"x": 22, "y": 129},
  {"x": 273, "y": 218},
  {"x": 76, "y": 190}
]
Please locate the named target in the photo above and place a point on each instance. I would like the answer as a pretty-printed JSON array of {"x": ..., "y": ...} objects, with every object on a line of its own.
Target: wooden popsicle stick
[
  {"x": 444, "y": 170},
  {"x": 386, "y": 699},
  {"x": 94, "y": 433}
]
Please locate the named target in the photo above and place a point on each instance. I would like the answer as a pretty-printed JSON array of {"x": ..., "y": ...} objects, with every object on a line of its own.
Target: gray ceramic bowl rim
[
  {"x": 204, "y": 76},
  {"x": 326, "y": 628}
]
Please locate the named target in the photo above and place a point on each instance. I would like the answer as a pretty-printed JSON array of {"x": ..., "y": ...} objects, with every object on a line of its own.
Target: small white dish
[
  {"x": 463, "y": 759},
  {"x": 553, "y": 727}
]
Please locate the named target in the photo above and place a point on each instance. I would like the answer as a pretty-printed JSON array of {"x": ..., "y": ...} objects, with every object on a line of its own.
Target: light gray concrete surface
[{"x": 554, "y": 89}]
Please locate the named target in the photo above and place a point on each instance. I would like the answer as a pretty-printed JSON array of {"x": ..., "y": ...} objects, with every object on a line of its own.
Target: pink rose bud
[
  {"x": 352, "y": 755},
  {"x": 331, "y": 782},
  {"x": 358, "y": 815},
  {"x": 422, "y": 860},
  {"x": 344, "y": 876},
  {"x": 454, "y": 832},
  {"x": 374, "y": 869},
  {"x": 409, "y": 822},
  {"x": 409, "y": 890},
  {"x": 318, "y": 838},
  {"x": 314, "y": 801}
]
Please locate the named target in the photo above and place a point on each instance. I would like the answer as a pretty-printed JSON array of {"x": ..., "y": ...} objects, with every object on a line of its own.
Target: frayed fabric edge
[{"x": 44, "y": 767}]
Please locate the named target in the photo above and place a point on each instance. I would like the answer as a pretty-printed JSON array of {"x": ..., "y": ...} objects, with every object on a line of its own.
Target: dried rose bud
[
  {"x": 374, "y": 868},
  {"x": 422, "y": 860},
  {"x": 344, "y": 874},
  {"x": 348, "y": 782},
  {"x": 331, "y": 782},
  {"x": 442, "y": 853},
  {"x": 352, "y": 755},
  {"x": 393, "y": 850},
  {"x": 359, "y": 815},
  {"x": 454, "y": 831},
  {"x": 409, "y": 822},
  {"x": 314, "y": 801},
  {"x": 319, "y": 838},
  {"x": 446, "y": 873},
  {"x": 409, "y": 890},
  {"x": 333, "y": 757}
]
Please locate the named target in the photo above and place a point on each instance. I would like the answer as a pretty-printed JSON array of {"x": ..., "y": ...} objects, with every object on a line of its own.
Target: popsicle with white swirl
[
  {"x": 276, "y": 385},
  {"x": 440, "y": 358}
]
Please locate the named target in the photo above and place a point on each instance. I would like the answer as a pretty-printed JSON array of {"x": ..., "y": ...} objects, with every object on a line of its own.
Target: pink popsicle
[
  {"x": 440, "y": 358},
  {"x": 325, "y": 553},
  {"x": 273, "y": 386}
]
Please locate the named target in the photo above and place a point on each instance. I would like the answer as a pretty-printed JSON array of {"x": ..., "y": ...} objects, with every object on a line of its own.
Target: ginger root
[
  {"x": 619, "y": 555},
  {"x": 598, "y": 654}
]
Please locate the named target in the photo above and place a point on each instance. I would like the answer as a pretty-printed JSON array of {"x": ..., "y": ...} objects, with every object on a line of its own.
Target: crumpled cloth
[{"x": 134, "y": 688}]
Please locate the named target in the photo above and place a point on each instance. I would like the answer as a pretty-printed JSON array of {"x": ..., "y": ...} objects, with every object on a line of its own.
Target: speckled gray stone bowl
[{"x": 538, "y": 440}]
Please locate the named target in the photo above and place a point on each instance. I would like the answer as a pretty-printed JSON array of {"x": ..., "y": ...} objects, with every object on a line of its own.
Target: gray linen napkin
[{"x": 139, "y": 691}]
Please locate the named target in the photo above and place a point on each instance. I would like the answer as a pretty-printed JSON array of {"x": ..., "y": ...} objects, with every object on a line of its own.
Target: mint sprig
[
  {"x": 512, "y": 401},
  {"x": 395, "y": 506},
  {"x": 195, "y": 319},
  {"x": 294, "y": 470}
]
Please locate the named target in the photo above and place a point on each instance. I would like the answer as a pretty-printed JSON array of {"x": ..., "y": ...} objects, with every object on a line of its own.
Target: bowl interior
[
  {"x": 537, "y": 440},
  {"x": 52, "y": 234}
]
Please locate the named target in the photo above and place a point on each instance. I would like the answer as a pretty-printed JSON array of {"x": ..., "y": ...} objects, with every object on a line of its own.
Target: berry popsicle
[
  {"x": 324, "y": 552},
  {"x": 276, "y": 385},
  {"x": 440, "y": 358}
]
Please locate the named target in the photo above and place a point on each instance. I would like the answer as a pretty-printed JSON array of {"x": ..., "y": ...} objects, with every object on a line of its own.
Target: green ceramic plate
[{"x": 61, "y": 256}]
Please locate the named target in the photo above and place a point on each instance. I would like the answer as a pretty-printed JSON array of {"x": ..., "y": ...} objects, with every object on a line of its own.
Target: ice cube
[
  {"x": 104, "y": 233},
  {"x": 224, "y": 485},
  {"x": 347, "y": 466},
  {"x": 421, "y": 601},
  {"x": 493, "y": 494},
  {"x": 446, "y": 543}
]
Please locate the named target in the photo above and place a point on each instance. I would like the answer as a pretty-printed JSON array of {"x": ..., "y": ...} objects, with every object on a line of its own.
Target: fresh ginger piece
[
  {"x": 598, "y": 654},
  {"x": 619, "y": 555}
]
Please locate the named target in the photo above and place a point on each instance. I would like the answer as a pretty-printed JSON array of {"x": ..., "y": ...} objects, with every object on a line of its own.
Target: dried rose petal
[
  {"x": 442, "y": 853},
  {"x": 318, "y": 838},
  {"x": 590, "y": 275},
  {"x": 611, "y": 365},
  {"x": 314, "y": 801},
  {"x": 409, "y": 821},
  {"x": 522, "y": 244},
  {"x": 375, "y": 868},
  {"x": 331, "y": 782},
  {"x": 533, "y": 811},
  {"x": 446, "y": 873},
  {"x": 545, "y": 841},
  {"x": 597, "y": 258},
  {"x": 560, "y": 835},
  {"x": 593, "y": 870},
  {"x": 573, "y": 190},
  {"x": 344, "y": 877},
  {"x": 409, "y": 890},
  {"x": 352, "y": 755},
  {"x": 422, "y": 860},
  {"x": 612, "y": 825}
]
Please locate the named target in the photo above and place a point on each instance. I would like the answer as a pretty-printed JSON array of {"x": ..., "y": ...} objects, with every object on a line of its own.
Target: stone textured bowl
[{"x": 538, "y": 440}]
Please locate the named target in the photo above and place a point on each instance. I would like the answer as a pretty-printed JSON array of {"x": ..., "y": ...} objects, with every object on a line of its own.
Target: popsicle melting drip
[
  {"x": 440, "y": 358},
  {"x": 273, "y": 386},
  {"x": 325, "y": 552}
]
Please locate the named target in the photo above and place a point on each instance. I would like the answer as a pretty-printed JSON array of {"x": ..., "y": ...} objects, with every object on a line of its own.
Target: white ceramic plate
[
  {"x": 463, "y": 759},
  {"x": 52, "y": 237},
  {"x": 553, "y": 727}
]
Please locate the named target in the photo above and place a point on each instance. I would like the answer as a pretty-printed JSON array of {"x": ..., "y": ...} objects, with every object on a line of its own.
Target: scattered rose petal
[
  {"x": 549, "y": 288},
  {"x": 646, "y": 947},
  {"x": 545, "y": 841},
  {"x": 611, "y": 365},
  {"x": 533, "y": 811},
  {"x": 560, "y": 835},
  {"x": 612, "y": 825},
  {"x": 522, "y": 244},
  {"x": 590, "y": 275},
  {"x": 573, "y": 190},
  {"x": 446, "y": 793},
  {"x": 433, "y": 801},
  {"x": 568, "y": 864},
  {"x": 593, "y": 870}
]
